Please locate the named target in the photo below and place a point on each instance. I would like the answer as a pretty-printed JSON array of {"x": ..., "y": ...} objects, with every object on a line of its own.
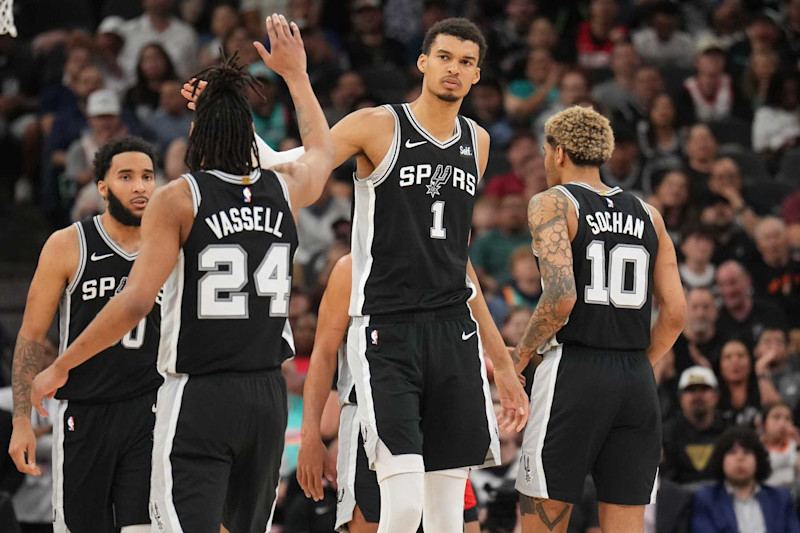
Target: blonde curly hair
[{"x": 584, "y": 134}]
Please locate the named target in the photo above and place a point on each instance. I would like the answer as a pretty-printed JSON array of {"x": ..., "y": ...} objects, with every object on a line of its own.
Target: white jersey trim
[
  {"x": 98, "y": 223},
  {"x": 83, "y": 252},
  {"x": 433, "y": 140},
  {"x": 363, "y": 235},
  {"x": 571, "y": 197},
  {"x": 284, "y": 188},
  {"x": 171, "y": 304},
  {"x": 385, "y": 167},
  {"x": 647, "y": 210},
  {"x": 59, "y": 520},
  {"x": 195, "y": 190},
  {"x": 611, "y": 192},
  {"x": 473, "y": 130},
  {"x": 251, "y": 178}
]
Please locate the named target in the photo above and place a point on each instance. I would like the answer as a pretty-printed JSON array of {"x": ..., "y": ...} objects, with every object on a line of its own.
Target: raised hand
[{"x": 287, "y": 56}]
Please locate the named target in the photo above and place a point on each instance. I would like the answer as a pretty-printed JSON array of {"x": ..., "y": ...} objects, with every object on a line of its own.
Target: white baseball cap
[
  {"x": 697, "y": 375},
  {"x": 112, "y": 24},
  {"x": 103, "y": 102}
]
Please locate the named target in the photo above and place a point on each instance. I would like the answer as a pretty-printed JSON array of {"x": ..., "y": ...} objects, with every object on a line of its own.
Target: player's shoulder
[
  {"x": 369, "y": 117},
  {"x": 550, "y": 201},
  {"x": 655, "y": 215},
  {"x": 63, "y": 241}
]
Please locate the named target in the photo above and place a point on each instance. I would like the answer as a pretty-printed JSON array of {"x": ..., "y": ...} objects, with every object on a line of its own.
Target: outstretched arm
[
  {"x": 547, "y": 219},
  {"x": 307, "y": 176},
  {"x": 170, "y": 207}
]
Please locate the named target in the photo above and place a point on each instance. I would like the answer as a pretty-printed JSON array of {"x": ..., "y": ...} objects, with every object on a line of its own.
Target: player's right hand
[
  {"x": 287, "y": 56},
  {"x": 22, "y": 447},
  {"x": 192, "y": 93},
  {"x": 311, "y": 465}
]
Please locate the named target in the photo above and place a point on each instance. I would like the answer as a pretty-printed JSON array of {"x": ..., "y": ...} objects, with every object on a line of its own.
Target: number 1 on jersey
[{"x": 438, "y": 230}]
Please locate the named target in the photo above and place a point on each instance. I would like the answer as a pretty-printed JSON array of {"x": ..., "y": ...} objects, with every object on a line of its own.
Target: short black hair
[
  {"x": 458, "y": 27},
  {"x": 103, "y": 157},
  {"x": 664, "y": 7},
  {"x": 747, "y": 439}
]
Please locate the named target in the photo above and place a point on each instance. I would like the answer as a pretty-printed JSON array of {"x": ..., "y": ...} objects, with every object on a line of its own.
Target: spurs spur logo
[
  {"x": 526, "y": 464},
  {"x": 439, "y": 178}
]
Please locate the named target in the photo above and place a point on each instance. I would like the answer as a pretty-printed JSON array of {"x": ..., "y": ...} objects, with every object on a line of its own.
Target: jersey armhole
[
  {"x": 195, "y": 190},
  {"x": 473, "y": 130},
  {"x": 571, "y": 198},
  {"x": 647, "y": 210},
  {"x": 384, "y": 168},
  {"x": 284, "y": 187},
  {"x": 81, "y": 258}
]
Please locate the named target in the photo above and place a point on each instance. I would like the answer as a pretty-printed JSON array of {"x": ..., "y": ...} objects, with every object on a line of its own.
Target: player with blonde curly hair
[{"x": 603, "y": 255}]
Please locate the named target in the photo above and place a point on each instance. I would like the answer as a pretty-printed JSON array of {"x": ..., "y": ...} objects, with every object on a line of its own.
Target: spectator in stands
[
  {"x": 526, "y": 98},
  {"x": 647, "y": 84},
  {"x": 491, "y": 251},
  {"x": 728, "y": 20},
  {"x": 776, "y": 125},
  {"x": 739, "y": 396},
  {"x": 742, "y": 316},
  {"x": 662, "y": 43},
  {"x": 696, "y": 269},
  {"x": 573, "y": 89},
  {"x": 791, "y": 29},
  {"x": 487, "y": 106},
  {"x": 671, "y": 511},
  {"x": 158, "y": 25},
  {"x": 68, "y": 94},
  {"x": 542, "y": 34},
  {"x": 171, "y": 120},
  {"x": 776, "y": 275},
  {"x": 726, "y": 181},
  {"x": 153, "y": 69},
  {"x": 521, "y": 148},
  {"x": 730, "y": 240},
  {"x": 689, "y": 439},
  {"x": 105, "y": 123},
  {"x": 271, "y": 117},
  {"x": 624, "y": 167},
  {"x": 487, "y": 480},
  {"x": 367, "y": 45},
  {"x": 739, "y": 501},
  {"x": 484, "y": 216},
  {"x": 507, "y": 36},
  {"x": 780, "y": 441},
  {"x": 617, "y": 93},
  {"x": 700, "y": 342},
  {"x": 701, "y": 152},
  {"x": 598, "y": 35},
  {"x": 514, "y": 323},
  {"x": 710, "y": 95},
  {"x": 524, "y": 288},
  {"x": 761, "y": 35},
  {"x": 108, "y": 44},
  {"x": 671, "y": 198},
  {"x": 659, "y": 136},
  {"x": 224, "y": 18},
  {"x": 754, "y": 82},
  {"x": 240, "y": 40},
  {"x": 349, "y": 89},
  {"x": 534, "y": 176},
  {"x": 778, "y": 369}
]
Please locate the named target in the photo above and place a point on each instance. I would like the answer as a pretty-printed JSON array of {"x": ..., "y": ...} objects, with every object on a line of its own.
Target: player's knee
[{"x": 401, "y": 503}]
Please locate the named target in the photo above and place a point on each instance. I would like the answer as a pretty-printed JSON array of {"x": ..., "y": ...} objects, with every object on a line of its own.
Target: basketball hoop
[{"x": 7, "y": 18}]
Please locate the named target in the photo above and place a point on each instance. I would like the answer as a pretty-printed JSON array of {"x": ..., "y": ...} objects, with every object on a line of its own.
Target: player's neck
[
  {"x": 127, "y": 237},
  {"x": 588, "y": 175},
  {"x": 435, "y": 115}
]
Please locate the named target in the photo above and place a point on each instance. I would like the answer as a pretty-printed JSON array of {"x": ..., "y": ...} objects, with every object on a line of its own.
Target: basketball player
[
  {"x": 603, "y": 255},
  {"x": 225, "y": 237},
  {"x": 102, "y": 429},
  {"x": 414, "y": 346},
  {"x": 358, "y": 503}
]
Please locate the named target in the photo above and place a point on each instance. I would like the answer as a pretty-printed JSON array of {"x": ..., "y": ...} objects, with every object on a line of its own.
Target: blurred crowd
[{"x": 704, "y": 100}]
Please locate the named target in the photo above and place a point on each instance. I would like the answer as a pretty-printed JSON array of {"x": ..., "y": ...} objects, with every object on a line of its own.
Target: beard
[
  {"x": 448, "y": 97},
  {"x": 120, "y": 213}
]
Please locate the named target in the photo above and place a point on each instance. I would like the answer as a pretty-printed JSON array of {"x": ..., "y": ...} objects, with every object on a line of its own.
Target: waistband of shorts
[
  {"x": 577, "y": 347},
  {"x": 443, "y": 313},
  {"x": 266, "y": 372}
]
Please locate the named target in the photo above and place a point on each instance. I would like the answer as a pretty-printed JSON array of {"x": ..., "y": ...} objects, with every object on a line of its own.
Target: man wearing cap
[
  {"x": 104, "y": 114},
  {"x": 689, "y": 439},
  {"x": 270, "y": 116}
]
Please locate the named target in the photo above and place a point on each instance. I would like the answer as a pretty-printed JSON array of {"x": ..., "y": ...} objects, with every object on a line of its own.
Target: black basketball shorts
[
  {"x": 592, "y": 411},
  {"x": 101, "y": 464},
  {"x": 422, "y": 388},
  {"x": 217, "y": 452}
]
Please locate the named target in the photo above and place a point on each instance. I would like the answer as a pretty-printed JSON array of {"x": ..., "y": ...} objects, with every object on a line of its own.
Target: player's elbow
[
  {"x": 564, "y": 306},
  {"x": 139, "y": 305}
]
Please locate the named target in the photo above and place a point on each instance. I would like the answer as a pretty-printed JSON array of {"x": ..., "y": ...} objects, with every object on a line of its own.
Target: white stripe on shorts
[
  {"x": 163, "y": 516},
  {"x": 346, "y": 466},
  {"x": 359, "y": 366},
  {"x": 59, "y": 520},
  {"x": 531, "y": 479}
]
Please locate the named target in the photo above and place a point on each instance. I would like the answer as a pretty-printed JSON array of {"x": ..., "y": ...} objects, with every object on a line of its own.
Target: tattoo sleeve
[
  {"x": 537, "y": 506},
  {"x": 547, "y": 218},
  {"x": 28, "y": 361}
]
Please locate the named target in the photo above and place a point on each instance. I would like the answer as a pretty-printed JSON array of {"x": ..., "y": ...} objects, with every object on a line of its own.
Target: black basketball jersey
[
  {"x": 226, "y": 303},
  {"x": 127, "y": 369},
  {"x": 412, "y": 220},
  {"x": 614, "y": 253}
]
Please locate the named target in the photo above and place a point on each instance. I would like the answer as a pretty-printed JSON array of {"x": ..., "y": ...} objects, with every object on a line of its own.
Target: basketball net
[{"x": 7, "y": 18}]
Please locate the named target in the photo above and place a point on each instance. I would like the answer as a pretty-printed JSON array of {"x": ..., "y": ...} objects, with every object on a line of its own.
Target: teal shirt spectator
[
  {"x": 492, "y": 250},
  {"x": 524, "y": 88},
  {"x": 272, "y": 128}
]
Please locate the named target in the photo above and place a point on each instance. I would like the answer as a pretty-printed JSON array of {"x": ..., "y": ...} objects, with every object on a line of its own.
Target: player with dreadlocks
[{"x": 222, "y": 238}]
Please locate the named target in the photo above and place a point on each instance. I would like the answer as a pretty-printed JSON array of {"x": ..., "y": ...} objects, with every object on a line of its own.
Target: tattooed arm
[
  {"x": 307, "y": 176},
  {"x": 547, "y": 219},
  {"x": 58, "y": 260}
]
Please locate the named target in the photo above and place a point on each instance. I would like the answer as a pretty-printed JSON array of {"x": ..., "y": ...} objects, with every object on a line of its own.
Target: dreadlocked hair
[{"x": 223, "y": 137}]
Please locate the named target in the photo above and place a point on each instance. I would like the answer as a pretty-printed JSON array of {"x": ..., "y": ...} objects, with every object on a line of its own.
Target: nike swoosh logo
[
  {"x": 96, "y": 257},
  {"x": 409, "y": 144},
  {"x": 466, "y": 336}
]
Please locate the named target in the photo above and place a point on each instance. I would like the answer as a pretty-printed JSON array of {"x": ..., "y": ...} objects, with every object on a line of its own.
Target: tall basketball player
[
  {"x": 414, "y": 346},
  {"x": 604, "y": 255},
  {"x": 102, "y": 429},
  {"x": 222, "y": 238}
]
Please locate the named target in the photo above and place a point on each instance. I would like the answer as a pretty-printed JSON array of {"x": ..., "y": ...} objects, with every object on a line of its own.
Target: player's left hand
[
  {"x": 513, "y": 400},
  {"x": 191, "y": 91},
  {"x": 46, "y": 383}
]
